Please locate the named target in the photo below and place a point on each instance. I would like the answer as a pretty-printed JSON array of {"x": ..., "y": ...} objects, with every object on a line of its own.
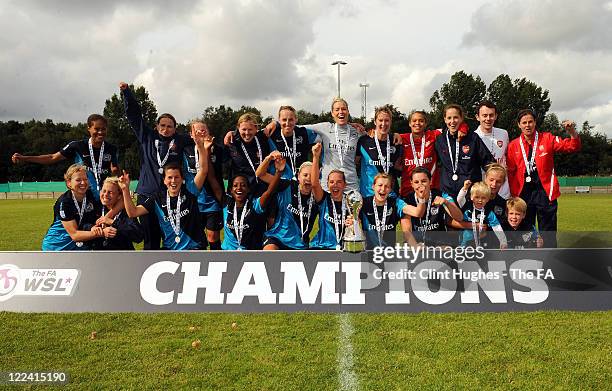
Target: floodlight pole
[
  {"x": 338, "y": 63},
  {"x": 364, "y": 100}
]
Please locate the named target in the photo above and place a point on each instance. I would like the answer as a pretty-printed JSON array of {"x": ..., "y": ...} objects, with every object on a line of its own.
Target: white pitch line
[{"x": 346, "y": 376}]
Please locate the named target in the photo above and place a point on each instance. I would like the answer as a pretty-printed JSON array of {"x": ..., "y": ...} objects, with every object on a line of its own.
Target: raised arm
[
  {"x": 461, "y": 197},
  {"x": 453, "y": 210},
  {"x": 131, "y": 209},
  {"x": 51, "y": 158},
  {"x": 315, "y": 172},
  {"x": 279, "y": 165},
  {"x": 133, "y": 111},
  {"x": 568, "y": 145},
  {"x": 204, "y": 145},
  {"x": 213, "y": 182},
  {"x": 262, "y": 170}
]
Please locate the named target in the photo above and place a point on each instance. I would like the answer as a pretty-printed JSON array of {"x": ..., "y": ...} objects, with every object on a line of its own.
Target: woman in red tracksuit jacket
[{"x": 532, "y": 175}]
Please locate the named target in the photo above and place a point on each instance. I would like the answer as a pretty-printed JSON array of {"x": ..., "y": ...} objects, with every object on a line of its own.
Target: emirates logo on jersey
[{"x": 466, "y": 149}]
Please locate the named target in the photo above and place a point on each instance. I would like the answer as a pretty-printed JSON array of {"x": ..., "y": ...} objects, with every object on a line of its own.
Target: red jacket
[
  {"x": 429, "y": 162},
  {"x": 548, "y": 145}
]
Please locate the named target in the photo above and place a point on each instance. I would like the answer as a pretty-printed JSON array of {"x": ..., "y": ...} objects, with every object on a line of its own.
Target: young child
[
  {"x": 495, "y": 176},
  {"x": 476, "y": 213},
  {"x": 519, "y": 232}
]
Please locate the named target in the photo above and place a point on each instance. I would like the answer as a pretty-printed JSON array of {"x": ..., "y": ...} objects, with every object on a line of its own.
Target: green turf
[
  {"x": 513, "y": 351},
  {"x": 154, "y": 351},
  {"x": 24, "y": 222},
  {"x": 510, "y": 351}
]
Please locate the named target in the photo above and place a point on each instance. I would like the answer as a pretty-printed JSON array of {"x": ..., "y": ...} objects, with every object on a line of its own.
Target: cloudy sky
[{"x": 62, "y": 59}]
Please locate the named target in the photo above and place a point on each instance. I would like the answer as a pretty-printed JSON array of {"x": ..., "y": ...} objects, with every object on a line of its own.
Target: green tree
[
  {"x": 119, "y": 132},
  {"x": 595, "y": 157},
  {"x": 501, "y": 91},
  {"x": 463, "y": 89}
]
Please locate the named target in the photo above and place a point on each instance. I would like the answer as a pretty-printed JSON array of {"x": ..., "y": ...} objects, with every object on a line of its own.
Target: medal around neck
[{"x": 354, "y": 239}]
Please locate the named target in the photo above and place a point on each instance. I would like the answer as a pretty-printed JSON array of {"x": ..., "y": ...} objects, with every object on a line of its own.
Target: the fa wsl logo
[
  {"x": 9, "y": 275},
  {"x": 36, "y": 282}
]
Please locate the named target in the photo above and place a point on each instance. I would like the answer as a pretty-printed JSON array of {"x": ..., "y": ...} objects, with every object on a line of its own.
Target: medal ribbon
[
  {"x": 418, "y": 162},
  {"x": 386, "y": 161},
  {"x": 339, "y": 144},
  {"x": 159, "y": 160},
  {"x": 96, "y": 166},
  {"x": 239, "y": 229},
  {"x": 454, "y": 164},
  {"x": 476, "y": 231},
  {"x": 424, "y": 226},
  {"x": 380, "y": 225},
  {"x": 301, "y": 212},
  {"x": 81, "y": 209},
  {"x": 175, "y": 221},
  {"x": 338, "y": 225},
  {"x": 529, "y": 165},
  {"x": 292, "y": 153},
  {"x": 246, "y": 154}
]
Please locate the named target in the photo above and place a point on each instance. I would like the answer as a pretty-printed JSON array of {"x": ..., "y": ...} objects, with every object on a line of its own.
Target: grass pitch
[
  {"x": 536, "y": 350},
  {"x": 23, "y": 223}
]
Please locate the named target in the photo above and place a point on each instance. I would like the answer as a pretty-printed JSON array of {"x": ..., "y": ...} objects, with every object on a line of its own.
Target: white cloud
[
  {"x": 542, "y": 25},
  {"x": 62, "y": 59}
]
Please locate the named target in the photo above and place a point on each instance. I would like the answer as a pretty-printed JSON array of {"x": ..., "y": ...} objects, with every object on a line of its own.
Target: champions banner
[{"x": 392, "y": 279}]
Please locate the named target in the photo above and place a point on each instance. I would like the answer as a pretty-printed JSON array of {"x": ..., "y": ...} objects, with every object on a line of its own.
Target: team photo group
[{"x": 296, "y": 187}]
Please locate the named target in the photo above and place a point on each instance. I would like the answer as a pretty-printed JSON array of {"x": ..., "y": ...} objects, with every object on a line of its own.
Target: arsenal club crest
[
  {"x": 500, "y": 143},
  {"x": 541, "y": 147},
  {"x": 434, "y": 210},
  {"x": 466, "y": 149}
]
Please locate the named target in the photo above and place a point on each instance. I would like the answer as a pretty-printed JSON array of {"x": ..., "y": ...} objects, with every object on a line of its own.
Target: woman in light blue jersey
[
  {"x": 333, "y": 209},
  {"x": 296, "y": 209},
  {"x": 74, "y": 215},
  {"x": 244, "y": 214}
]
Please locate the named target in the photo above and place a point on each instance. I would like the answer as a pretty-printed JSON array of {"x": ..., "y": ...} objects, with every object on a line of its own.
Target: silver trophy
[{"x": 354, "y": 239}]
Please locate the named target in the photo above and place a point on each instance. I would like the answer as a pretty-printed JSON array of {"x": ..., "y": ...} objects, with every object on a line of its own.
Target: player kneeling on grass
[
  {"x": 380, "y": 212},
  {"x": 296, "y": 209},
  {"x": 74, "y": 215},
  {"x": 176, "y": 208},
  {"x": 439, "y": 212},
  {"x": 121, "y": 231},
  {"x": 475, "y": 214},
  {"x": 243, "y": 215},
  {"x": 520, "y": 233}
]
